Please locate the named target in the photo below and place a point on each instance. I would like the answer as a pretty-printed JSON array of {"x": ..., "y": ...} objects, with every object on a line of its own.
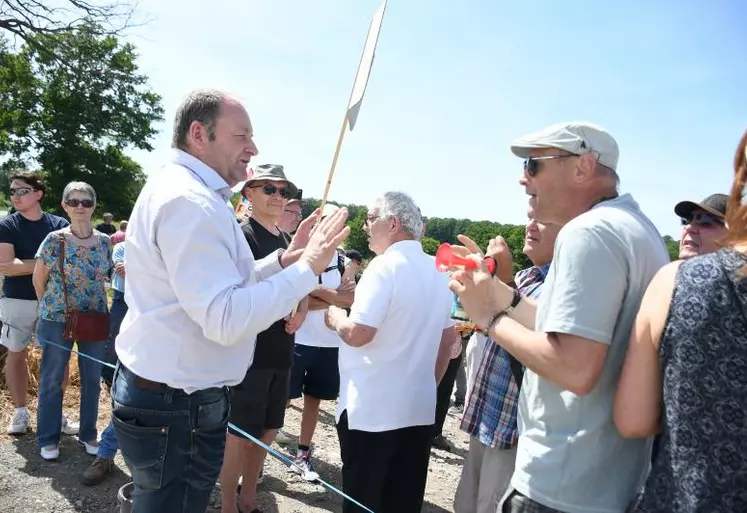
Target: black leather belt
[{"x": 147, "y": 384}]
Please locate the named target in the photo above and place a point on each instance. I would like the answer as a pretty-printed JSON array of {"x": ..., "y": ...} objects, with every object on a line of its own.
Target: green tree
[
  {"x": 673, "y": 247},
  {"x": 430, "y": 245},
  {"x": 358, "y": 239},
  {"x": 75, "y": 102}
]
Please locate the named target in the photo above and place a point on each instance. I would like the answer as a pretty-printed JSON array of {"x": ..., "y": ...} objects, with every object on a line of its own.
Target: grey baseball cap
[
  {"x": 272, "y": 173},
  {"x": 577, "y": 137}
]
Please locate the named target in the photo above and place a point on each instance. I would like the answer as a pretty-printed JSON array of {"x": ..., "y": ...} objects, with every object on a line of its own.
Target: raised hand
[{"x": 324, "y": 240}]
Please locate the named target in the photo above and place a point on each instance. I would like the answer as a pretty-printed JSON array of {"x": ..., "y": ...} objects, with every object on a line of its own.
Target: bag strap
[{"x": 61, "y": 261}]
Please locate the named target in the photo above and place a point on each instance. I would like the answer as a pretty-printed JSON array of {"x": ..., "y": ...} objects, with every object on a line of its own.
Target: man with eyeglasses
[
  {"x": 703, "y": 225},
  {"x": 573, "y": 339},
  {"x": 292, "y": 214},
  {"x": 21, "y": 233},
  {"x": 259, "y": 400}
]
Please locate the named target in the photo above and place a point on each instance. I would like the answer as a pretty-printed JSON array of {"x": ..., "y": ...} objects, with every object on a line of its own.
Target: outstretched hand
[{"x": 324, "y": 240}]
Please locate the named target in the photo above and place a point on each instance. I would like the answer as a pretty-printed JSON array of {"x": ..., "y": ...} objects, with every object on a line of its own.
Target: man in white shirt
[
  {"x": 573, "y": 340},
  {"x": 197, "y": 300},
  {"x": 396, "y": 346}
]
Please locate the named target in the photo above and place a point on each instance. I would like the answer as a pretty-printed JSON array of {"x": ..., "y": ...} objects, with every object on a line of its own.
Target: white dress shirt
[{"x": 197, "y": 299}]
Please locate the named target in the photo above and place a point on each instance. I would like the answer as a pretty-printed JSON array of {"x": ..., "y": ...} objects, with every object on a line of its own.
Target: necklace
[{"x": 82, "y": 238}]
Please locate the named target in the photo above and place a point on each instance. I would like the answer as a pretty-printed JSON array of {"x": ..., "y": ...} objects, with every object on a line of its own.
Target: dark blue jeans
[
  {"x": 172, "y": 442},
  {"x": 116, "y": 314},
  {"x": 54, "y": 361}
]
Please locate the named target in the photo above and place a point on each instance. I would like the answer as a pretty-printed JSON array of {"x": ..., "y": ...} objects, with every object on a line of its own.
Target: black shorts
[
  {"x": 315, "y": 372},
  {"x": 259, "y": 401}
]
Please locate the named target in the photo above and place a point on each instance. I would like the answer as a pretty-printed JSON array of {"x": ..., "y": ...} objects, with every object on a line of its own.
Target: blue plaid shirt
[{"x": 490, "y": 414}]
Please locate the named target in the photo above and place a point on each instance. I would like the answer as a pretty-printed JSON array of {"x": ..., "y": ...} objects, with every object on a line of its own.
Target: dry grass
[{"x": 33, "y": 363}]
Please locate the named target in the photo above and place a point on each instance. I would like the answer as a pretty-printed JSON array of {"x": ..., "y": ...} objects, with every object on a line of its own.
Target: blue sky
[{"x": 454, "y": 83}]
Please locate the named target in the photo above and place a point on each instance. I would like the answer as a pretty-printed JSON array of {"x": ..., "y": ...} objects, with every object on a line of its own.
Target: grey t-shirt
[{"x": 570, "y": 456}]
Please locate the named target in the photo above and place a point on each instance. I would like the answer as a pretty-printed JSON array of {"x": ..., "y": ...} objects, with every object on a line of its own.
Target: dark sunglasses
[
  {"x": 271, "y": 189},
  {"x": 86, "y": 203},
  {"x": 20, "y": 191},
  {"x": 531, "y": 164},
  {"x": 702, "y": 219}
]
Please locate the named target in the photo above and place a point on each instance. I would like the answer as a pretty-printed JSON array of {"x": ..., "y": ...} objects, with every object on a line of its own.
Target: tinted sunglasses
[
  {"x": 531, "y": 164},
  {"x": 86, "y": 203},
  {"x": 270, "y": 189},
  {"x": 20, "y": 191},
  {"x": 702, "y": 219}
]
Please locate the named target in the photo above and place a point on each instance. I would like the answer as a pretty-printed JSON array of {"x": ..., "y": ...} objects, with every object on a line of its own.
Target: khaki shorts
[{"x": 18, "y": 317}]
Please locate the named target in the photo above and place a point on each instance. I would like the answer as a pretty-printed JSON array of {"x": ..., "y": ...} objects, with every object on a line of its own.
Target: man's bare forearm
[{"x": 17, "y": 267}]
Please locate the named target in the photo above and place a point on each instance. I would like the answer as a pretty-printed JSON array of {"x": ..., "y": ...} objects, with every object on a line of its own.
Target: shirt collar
[{"x": 206, "y": 174}]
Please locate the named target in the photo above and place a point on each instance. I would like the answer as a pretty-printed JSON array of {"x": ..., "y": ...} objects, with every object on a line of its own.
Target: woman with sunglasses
[
  {"x": 685, "y": 374},
  {"x": 87, "y": 261}
]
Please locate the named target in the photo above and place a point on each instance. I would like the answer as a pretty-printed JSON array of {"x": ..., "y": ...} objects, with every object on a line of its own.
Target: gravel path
[{"x": 29, "y": 484}]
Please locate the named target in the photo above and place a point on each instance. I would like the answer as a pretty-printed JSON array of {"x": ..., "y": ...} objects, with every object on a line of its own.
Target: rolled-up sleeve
[{"x": 207, "y": 283}]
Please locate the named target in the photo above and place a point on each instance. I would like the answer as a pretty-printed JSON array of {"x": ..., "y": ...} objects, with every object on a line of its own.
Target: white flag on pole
[{"x": 364, "y": 68}]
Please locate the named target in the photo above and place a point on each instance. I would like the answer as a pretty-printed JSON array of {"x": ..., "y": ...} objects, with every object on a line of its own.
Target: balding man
[
  {"x": 573, "y": 340},
  {"x": 197, "y": 300}
]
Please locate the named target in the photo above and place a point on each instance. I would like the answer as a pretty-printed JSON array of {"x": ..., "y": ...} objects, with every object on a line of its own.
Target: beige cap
[{"x": 577, "y": 137}]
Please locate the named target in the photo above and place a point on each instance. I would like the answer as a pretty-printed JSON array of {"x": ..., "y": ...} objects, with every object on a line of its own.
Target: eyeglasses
[
  {"x": 293, "y": 213},
  {"x": 20, "y": 191},
  {"x": 86, "y": 203},
  {"x": 531, "y": 164},
  {"x": 703, "y": 220},
  {"x": 270, "y": 189},
  {"x": 371, "y": 219}
]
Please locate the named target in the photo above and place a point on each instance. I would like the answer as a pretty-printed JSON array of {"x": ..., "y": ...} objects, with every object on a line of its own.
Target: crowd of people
[{"x": 600, "y": 379}]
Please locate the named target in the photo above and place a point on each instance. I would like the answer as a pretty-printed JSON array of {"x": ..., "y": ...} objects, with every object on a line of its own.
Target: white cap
[
  {"x": 577, "y": 137},
  {"x": 329, "y": 209}
]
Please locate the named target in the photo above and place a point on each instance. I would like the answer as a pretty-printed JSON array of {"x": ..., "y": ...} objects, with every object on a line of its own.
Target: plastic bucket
[{"x": 125, "y": 498}]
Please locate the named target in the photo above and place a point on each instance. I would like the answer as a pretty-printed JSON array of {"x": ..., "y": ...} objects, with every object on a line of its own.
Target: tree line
[{"x": 440, "y": 230}]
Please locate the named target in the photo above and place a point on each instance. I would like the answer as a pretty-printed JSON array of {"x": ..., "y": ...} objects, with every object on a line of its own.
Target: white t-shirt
[
  {"x": 390, "y": 382},
  {"x": 570, "y": 456},
  {"x": 314, "y": 331}
]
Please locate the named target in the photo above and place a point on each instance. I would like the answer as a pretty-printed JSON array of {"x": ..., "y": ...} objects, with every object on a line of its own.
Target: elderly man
[
  {"x": 292, "y": 214},
  {"x": 107, "y": 225},
  {"x": 490, "y": 412},
  {"x": 573, "y": 341},
  {"x": 703, "y": 227},
  {"x": 395, "y": 349},
  {"x": 197, "y": 300}
]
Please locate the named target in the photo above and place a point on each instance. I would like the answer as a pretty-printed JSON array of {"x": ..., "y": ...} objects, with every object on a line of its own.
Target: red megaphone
[{"x": 445, "y": 259}]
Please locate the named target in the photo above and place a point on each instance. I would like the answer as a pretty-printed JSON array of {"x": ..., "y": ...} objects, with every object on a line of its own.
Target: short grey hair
[
  {"x": 201, "y": 105},
  {"x": 78, "y": 187},
  {"x": 401, "y": 206}
]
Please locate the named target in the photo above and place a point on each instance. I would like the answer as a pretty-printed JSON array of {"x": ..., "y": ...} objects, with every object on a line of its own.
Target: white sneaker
[
  {"x": 19, "y": 424},
  {"x": 91, "y": 449},
  {"x": 50, "y": 452},
  {"x": 69, "y": 427}
]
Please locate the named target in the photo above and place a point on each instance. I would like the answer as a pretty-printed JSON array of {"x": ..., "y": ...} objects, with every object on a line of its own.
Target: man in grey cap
[
  {"x": 573, "y": 340},
  {"x": 703, "y": 226}
]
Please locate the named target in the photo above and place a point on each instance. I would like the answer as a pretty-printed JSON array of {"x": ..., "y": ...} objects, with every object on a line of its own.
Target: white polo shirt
[
  {"x": 197, "y": 299},
  {"x": 390, "y": 383}
]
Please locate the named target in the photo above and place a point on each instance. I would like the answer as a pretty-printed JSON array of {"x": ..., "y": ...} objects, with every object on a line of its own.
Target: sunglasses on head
[
  {"x": 20, "y": 191},
  {"x": 531, "y": 164},
  {"x": 86, "y": 203},
  {"x": 702, "y": 219},
  {"x": 270, "y": 189}
]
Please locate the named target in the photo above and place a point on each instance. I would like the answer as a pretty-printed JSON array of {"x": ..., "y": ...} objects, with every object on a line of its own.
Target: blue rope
[{"x": 282, "y": 457}]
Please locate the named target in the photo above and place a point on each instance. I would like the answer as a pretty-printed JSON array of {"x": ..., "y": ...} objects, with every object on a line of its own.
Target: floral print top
[{"x": 86, "y": 269}]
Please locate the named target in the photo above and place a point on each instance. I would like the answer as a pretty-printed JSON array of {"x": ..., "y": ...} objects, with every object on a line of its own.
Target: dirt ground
[{"x": 29, "y": 484}]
